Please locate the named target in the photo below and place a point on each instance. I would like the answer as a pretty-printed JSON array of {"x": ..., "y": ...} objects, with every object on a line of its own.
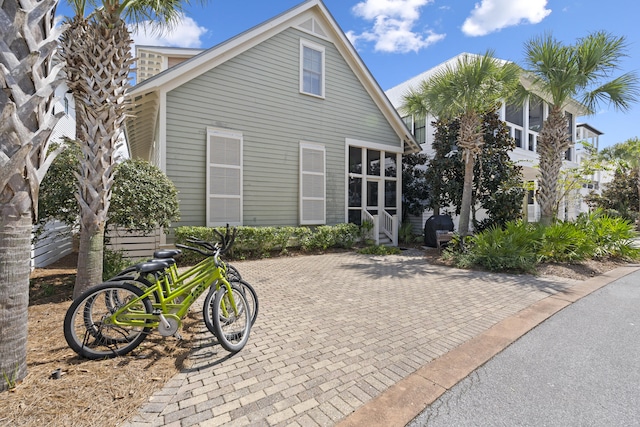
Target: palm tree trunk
[
  {"x": 104, "y": 62},
  {"x": 467, "y": 190},
  {"x": 15, "y": 249},
  {"x": 470, "y": 141},
  {"x": 553, "y": 141},
  {"x": 28, "y": 81}
]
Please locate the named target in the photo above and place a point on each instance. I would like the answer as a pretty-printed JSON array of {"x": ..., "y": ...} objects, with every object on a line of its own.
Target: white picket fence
[{"x": 55, "y": 243}]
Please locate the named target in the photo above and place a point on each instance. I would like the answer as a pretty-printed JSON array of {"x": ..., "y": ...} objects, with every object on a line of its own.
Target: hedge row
[{"x": 261, "y": 242}]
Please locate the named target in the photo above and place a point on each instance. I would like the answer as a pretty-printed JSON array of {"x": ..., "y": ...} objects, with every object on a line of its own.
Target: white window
[
  {"x": 224, "y": 177},
  {"x": 312, "y": 184},
  {"x": 311, "y": 69}
]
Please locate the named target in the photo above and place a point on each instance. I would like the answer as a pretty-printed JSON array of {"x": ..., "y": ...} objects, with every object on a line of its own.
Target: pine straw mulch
[
  {"x": 88, "y": 392},
  {"x": 104, "y": 393}
]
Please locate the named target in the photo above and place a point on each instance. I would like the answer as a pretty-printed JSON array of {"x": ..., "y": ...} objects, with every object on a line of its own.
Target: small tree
[
  {"x": 143, "y": 197},
  {"x": 497, "y": 185},
  {"x": 445, "y": 171},
  {"x": 415, "y": 191},
  {"x": 474, "y": 86},
  {"x": 619, "y": 197}
]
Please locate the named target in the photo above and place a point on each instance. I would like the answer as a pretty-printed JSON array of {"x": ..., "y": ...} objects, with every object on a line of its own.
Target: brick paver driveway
[{"x": 335, "y": 331}]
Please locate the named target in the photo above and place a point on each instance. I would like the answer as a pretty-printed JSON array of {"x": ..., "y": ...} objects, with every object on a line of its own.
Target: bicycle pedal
[{"x": 178, "y": 336}]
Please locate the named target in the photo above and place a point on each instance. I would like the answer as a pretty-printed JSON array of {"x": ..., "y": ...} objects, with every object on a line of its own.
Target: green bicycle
[
  {"x": 113, "y": 318},
  {"x": 175, "y": 278}
]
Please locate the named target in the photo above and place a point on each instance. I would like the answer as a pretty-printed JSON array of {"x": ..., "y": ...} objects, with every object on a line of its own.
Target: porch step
[{"x": 384, "y": 240}]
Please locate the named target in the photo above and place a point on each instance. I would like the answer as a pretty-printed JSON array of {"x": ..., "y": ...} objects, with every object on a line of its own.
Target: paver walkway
[{"x": 334, "y": 332}]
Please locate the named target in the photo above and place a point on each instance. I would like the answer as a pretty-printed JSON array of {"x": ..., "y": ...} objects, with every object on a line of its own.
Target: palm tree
[
  {"x": 564, "y": 72},
  {"x": 28, "y": 79},
  {"x": 97, "y": 51},
  {"x": 473, "y": 86}
]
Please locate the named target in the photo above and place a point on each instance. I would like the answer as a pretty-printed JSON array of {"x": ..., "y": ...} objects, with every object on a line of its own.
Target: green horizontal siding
[{"x": 257, "y": 93}]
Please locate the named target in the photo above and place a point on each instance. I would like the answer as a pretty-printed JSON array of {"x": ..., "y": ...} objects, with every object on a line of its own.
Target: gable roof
[{"x": 145, "y": 97}]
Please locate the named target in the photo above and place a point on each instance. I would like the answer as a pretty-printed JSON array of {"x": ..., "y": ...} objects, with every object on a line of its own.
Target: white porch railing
[
  {"x": 390, "y": 227},
  {"x": 374, "y": 233}
]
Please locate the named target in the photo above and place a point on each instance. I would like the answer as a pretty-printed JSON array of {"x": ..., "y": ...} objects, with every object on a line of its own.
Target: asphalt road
[{"x": 581, "y": 367}]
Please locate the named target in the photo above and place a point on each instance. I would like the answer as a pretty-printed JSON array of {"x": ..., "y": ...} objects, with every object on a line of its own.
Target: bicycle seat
[
  {"x": 168, "y": 261},
  {"x": 152, "y": 266},
  {"x": 167, "y": 253}
]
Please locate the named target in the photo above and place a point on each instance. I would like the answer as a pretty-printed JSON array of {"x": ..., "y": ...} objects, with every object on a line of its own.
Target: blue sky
[{"x": 398, "y": 39}]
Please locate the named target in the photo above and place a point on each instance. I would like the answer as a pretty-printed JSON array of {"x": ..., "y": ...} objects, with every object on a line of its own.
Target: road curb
[{"x": 403, "y": 401}]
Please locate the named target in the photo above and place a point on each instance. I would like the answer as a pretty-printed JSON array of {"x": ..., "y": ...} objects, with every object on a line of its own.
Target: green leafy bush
[
  {"x": 113, "y": 262},
  {"x": 322, "y": 238},
  {"x": 405, "y": 234},
  {"x": 612, "y": 236},
  {"x": 565, "y": 241},
  {"x": 261, "y": 242},
  {"x": 346, "y": 235},
  {"x": 512, "y": 248},
  {"x": 379, "y": 250}
]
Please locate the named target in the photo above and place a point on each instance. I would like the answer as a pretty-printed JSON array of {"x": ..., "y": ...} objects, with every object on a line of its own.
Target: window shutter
[
  {"x": 312, "y": 184},
  {"x": 224, "y": 178}
]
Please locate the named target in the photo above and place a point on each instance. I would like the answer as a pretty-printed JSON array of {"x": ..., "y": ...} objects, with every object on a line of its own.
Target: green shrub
[
  {"x": 512, "y": 248},
  {"x": 612, "y": 236},
  {"x": 566, "y": 241},
  {"x": 405, "y": 234},
  {"x": 346, "y": 235},
  {"x": 380, "y": 250},
  {"x": 113, "y": 262},
  {"x": 261, "y": 242},
  {"x": 322, "y": 238}
]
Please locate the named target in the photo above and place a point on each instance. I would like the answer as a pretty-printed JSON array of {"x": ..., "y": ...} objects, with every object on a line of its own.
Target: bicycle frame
[{"x": 164, "y": 295}]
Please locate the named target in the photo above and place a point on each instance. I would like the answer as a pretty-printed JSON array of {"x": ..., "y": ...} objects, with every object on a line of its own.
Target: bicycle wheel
[
  {"x": 231, "y": 318},
  {"x": 87, "y": 326},
  {"x": 249, "y": 294},
  {"x": 232, "y": 273}
]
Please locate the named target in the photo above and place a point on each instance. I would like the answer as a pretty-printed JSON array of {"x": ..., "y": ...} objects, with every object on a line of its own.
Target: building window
[
  {"x": 535, "y": 114},
  {"x": 312, "y": 184},
  {"x": 311, "y": 69},
  {"x": 66, "y": 105},
  {"x": 224, "y": 178},
  {"x": 514, "y": 114},
  {"x": 569, "y": 117},
  {"x": 420, "y": 129}
]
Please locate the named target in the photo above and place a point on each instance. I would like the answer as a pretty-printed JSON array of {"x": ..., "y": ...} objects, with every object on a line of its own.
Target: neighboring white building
[
  {"x": 591, "y": 136},
  {"x": 524, "y": 122}
]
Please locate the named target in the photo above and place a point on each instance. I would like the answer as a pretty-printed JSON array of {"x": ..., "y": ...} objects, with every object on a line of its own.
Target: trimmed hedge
[{"x": 261, "y": 242}]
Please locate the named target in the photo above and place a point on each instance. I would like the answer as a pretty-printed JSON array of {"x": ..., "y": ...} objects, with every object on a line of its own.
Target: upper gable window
[{"x": 311, "y": 69}]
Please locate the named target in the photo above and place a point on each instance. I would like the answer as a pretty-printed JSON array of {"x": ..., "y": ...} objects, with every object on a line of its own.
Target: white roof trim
[{"x": 294, "y": 17}]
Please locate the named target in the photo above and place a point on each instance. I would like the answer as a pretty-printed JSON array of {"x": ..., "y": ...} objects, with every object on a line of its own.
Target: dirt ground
[
  {"x": 88, "y": 392},
  {"x": 104, "y": 393}
]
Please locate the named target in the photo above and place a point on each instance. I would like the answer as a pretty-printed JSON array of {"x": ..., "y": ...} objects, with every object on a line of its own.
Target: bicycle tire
[
  {"x": 232, "y": 273},
  {"x": 249, "y": 293},
  {"x": 88, "y": 336},
  {"x": 232, "y": 329}
]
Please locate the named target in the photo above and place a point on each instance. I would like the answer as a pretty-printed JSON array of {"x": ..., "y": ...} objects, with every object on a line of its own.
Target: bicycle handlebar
[{"x": 226, "y": 241}]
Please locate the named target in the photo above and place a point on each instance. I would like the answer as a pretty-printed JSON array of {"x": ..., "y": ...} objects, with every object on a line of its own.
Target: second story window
[{"x": 311, "y": 69}]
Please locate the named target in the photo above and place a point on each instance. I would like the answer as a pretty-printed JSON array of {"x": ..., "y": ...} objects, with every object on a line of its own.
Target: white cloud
[
  {"x": 393, "y": 25},
  {"x": 493, "y": 15},
  {"x": 186, "y": 33}
]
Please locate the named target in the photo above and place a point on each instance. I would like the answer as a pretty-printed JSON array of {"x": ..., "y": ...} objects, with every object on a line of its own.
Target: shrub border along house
[{"x": 262, "y": 242}]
